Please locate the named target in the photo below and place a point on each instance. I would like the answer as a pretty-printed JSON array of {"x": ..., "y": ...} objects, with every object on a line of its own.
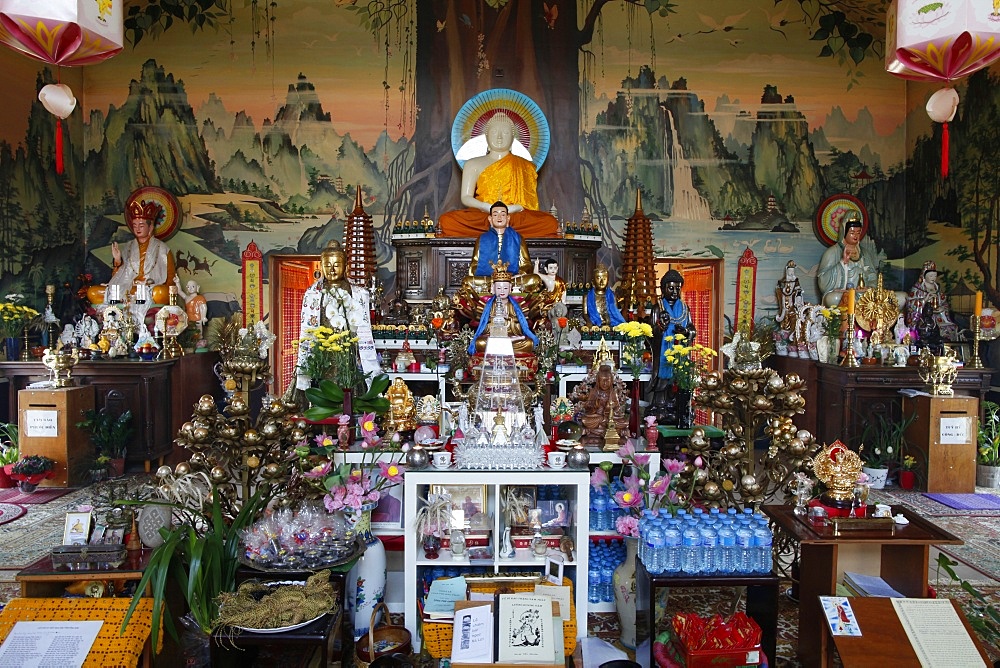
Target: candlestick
[
  {"x": 978, "y": 310},
  {"x": 850, "y": 359},
  {"x": 974, "y": 362}
]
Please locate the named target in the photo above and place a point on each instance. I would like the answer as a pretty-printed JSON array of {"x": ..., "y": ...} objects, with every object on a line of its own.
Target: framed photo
[
  {"x": 554, "y": 568},
  {"x": 97, "y": 535},
  {"x": 388, "y": 514},
  {"x": 77, "y": 528},
  {"x": 558, "y": 513},
  {"x": 114, "y": 536},
  {"x": 470, "y": 499}
]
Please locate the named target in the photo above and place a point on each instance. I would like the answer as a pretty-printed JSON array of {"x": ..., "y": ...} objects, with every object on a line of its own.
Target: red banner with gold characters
[
  {"x": 253, "y": 285},
  {"x": 746, "y": 288}
]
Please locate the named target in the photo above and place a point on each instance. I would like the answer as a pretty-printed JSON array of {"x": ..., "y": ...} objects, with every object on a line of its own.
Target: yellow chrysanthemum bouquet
[
  {"x": 331, "y": 355},
  {"x": 14, "y": 316},
  {"x": 633, "y": 339},
  {"x": 688, "y": 362}
]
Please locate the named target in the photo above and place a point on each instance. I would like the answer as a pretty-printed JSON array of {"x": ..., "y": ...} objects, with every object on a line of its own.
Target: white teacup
[
  {"x": 557, "y": 460},
  {"x": 442, "y": 459},
  {"x": 883, "y": 510}
]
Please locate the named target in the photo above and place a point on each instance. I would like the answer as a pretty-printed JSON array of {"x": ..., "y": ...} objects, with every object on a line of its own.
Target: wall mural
[{"x": 722, "y": 115}]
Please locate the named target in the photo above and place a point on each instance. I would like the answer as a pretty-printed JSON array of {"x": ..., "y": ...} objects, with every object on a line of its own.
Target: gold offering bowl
[
  {"x": 59, "y": 361},
  {"x": 939, "y": 371}
]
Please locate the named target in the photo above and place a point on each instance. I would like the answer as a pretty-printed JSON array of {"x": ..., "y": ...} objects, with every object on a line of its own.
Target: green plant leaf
[{"x": 317, "y": 413}]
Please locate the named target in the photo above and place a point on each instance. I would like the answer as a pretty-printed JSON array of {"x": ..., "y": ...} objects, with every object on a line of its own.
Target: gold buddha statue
[{"x": 402, "y": 408}]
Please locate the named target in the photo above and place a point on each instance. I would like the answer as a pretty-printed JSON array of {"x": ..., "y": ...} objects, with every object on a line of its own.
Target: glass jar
[
  {"x": 457, "y": 542},
  {"x": 538, "y": 545}
]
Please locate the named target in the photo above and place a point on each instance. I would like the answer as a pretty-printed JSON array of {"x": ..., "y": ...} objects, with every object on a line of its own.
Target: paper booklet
[
  {"x": 472, "y": 640},
  {"x": 526, "y": 629}
]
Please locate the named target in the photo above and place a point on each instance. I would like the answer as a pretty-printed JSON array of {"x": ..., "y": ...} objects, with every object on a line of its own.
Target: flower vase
[
  {"x": 624, "y": 583},
  {"x": 876, "y": 477},
  {"x": 652, "y": 435},
  {"x": 12, "y": 348},
  {"x": 685, "y": 413},
  {"x": 907, "y": 479},
  {"x": 345, "y": 436},
  {"x": 348, "y": 400},
  {"x": 633, "y": 413},
  {"x": 368, "y": 575}
]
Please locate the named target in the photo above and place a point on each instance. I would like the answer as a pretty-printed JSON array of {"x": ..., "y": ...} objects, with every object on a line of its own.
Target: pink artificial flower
[
  {"x": 863, "y": 479},
  {"x": 660, "y": 486},
  {"x": 650, "y": 420},
  {"x": 324, "y": 440},
  {"x": 392, "y": 472},
  {"x": 699, "y": 462},
  {"x": 629, "y": 498},
  {"x": 641, "y": 460},
  {"x": 368, "y": 428},
  {"x": 356, "y": 475},
  {"x": 627, "y": 450},
  {"x": 627, "y": 525},
  {"x": 599, "y": 478},
  {"x": 318, "y": 471},
  {"x": 334, "y": 501},
  {"x": 345, "y": 420},
  {"x": 633, "y": 479},
  {"x": 673, "y": 466}
]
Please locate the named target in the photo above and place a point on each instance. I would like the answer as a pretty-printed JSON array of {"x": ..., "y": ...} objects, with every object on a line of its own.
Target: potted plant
[
  {"x": 907, "y": 472},
  {"x": 988, "y": 442},
  {"x": 328, "y": 399},
  {"x": 881, "y": 444},
  {"x": 9, "y": 453},
  {"x": 433, "y": 521},
  {"x": 110, "y": 435},
  {"x": 31, "y": 470}
]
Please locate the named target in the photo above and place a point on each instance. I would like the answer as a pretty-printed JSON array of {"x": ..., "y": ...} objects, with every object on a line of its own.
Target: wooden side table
[
  {"x": 43, "y": 579},
  {"x": 762, "y": 602},
  {"x": 904, "y": 563},
  {"x": 883, "y": 641}
]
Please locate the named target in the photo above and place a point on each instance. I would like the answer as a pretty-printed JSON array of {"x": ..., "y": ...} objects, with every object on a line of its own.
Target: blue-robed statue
[
  {"x": 522, "y": 338},
  {"x": 671, "y": 317},
  {"x": 600, "y": 307}
]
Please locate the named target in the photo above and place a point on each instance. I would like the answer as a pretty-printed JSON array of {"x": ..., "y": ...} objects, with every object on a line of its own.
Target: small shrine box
[
  {"x": 47, "y": 423},
  {"x": 945, "y": 431}
]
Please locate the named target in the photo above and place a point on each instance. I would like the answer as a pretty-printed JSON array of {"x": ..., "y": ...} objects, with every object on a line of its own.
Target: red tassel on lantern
[
  {"x": 944, "y": 151},
  {"x": 59, "y": 146}
]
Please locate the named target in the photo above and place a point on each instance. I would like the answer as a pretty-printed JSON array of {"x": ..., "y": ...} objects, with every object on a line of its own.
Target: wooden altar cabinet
[
  {"x": 424, "y": 265},
  {"x": 847, "y": 399},
  {"x": 161, "y": 395}
]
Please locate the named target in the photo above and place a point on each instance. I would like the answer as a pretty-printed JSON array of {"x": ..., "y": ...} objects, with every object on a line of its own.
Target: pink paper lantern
[
  {"x": 940, "y": 41},
  {"x": 63, "y": 32}
]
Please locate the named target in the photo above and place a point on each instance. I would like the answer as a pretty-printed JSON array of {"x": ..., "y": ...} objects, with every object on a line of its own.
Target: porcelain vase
[
  {"x": 366, "y": 580},
  {"x": 624, "y": 583},
  {"x": 876, "y": 477}
]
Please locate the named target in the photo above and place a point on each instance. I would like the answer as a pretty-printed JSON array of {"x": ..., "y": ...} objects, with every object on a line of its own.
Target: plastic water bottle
[
  {"x": 594, "y": 583},
  {"x": 607, "y": 583},
  {"x": 655, "y": 542},
  {"x": 709, "y": 547},
  {"x": 762, "y": 547},
  {"x": 599, "y": 511},
  {"x": 672, "y": 543},
  {"x": 725, "y": 554},
  {"x": 691, "y": 552},
  {"x": 744, "y": 546}
]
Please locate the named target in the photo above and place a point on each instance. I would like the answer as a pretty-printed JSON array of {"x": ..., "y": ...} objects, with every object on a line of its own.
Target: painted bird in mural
[
  {"x": 727, "y": 24},
  {"x": 550, "y": 14},
  {"x": 440, "y": 25},
  {"x": 464, "y": 18}
]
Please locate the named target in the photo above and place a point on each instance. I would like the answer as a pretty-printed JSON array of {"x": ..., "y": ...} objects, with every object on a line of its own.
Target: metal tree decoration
[
  {"x": 749, "y": 400},
  {"x": 230, "y": 450}
]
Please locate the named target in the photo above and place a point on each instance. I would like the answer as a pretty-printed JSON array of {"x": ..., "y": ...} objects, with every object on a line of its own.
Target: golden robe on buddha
[{"x": 512, "y": 180}]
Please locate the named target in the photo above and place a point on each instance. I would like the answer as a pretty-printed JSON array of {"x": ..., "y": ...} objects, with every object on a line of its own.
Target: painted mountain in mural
[
  {"x": 298, "y": 159},
  {"x": 659, "y": 138}
]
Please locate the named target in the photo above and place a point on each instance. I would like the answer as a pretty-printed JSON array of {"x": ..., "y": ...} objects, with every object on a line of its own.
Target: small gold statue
[
  {"x": 402, "y": 409},
  {"x": 939, "y": 371},
  {"x": 838, "y": 468}
]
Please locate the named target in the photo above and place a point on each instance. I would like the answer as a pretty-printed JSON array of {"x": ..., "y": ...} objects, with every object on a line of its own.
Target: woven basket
[
  {"x": 382, "y": 641},
  {"x": 437, "y": 637}
]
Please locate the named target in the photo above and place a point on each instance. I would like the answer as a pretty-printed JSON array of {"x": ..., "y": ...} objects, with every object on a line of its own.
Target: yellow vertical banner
[{"x": 746, "y": 288}]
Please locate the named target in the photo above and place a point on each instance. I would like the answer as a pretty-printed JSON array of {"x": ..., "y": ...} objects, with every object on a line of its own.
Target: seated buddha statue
[
  {"x": 499, "y": 175},
  {"x": 402, "y": 408},
  {"x": 602, "y": 409},
  {"x": 600, "y": 306},
  {"x": 146, "y": 262},
  {"x": 500, "y": 308}
]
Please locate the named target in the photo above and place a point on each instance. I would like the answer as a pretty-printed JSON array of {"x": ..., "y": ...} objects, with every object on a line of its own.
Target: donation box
[
  {"x": 945, "y": 433},
  {"x": 47, "y": 424}
]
